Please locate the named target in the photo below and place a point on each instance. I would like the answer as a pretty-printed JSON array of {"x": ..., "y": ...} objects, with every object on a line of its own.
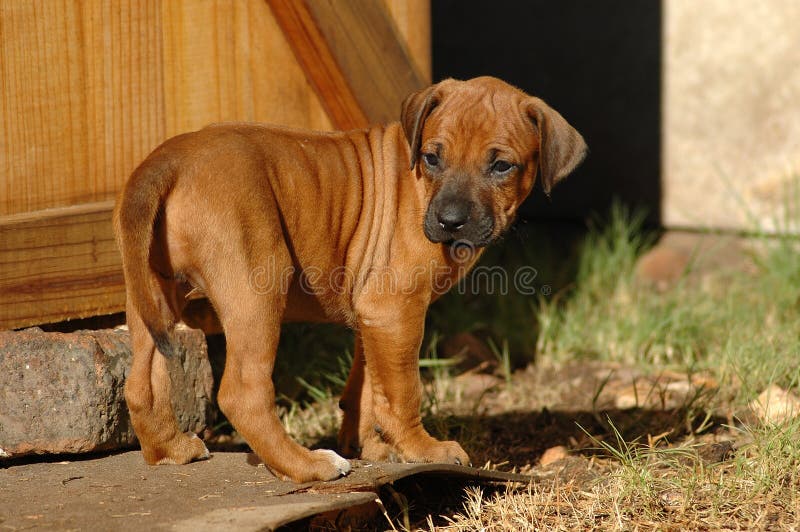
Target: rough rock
[
  {"x": 63, "y": 393},
  {"x": 667, "y": 390},
  {"x": 776, "y": 405},
  {"x": 714, "y": 453},
  {"x": 576, "y": 470},
  {"x": 476, "y": 384},
  {"x": 662, "y": 266},
  {"x": 553, "y": 454}
]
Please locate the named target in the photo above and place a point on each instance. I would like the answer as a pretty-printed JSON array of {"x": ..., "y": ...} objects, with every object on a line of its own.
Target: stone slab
[
  {"x": 63, "y": 392},
  {"x": 226, "y": 492}
]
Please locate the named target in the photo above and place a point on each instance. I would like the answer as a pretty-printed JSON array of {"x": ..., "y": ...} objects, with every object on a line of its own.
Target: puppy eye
[
  {"x": 431, "y": 159},
  {"x": 501, "y": 167}
]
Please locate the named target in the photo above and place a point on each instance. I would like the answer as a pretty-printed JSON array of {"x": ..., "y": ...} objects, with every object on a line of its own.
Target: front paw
[
  {"x": 439, "y": 452},
  {"x": 181, "y": 449},
  {"x": 375, "y": 449},
  {"x": 329, "y": 465},
  {"x": 367, "y": 446}
]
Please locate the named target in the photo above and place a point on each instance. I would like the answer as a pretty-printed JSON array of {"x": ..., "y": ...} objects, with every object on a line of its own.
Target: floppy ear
[
  {"x": 416, "y": 108},
  {"x": 561, "y": 147}
]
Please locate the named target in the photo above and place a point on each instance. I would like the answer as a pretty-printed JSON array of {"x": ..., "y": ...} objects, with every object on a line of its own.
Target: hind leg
[
  {"x": 147, "y": 394},
  {"x": 252, "y": 323}
]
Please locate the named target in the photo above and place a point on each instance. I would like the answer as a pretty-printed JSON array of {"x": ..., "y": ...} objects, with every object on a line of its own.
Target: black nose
[{"x": 453, "y": 215}]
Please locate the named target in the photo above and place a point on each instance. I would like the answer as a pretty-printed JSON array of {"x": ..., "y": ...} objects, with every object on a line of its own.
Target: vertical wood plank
[
  {"x": 81, "y": 98},
  {"x": 281, "y": 92},
  {"x": 228, "y": 60}
]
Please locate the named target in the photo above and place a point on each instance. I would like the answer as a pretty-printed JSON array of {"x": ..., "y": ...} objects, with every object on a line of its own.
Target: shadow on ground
[{"x": 519, "y": 439}]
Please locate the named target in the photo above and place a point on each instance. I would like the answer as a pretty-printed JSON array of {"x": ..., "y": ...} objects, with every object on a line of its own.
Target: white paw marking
[{"x": 341, "y": 464}]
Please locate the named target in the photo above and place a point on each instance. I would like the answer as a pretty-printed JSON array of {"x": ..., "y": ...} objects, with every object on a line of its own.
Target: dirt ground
[
  {"x": 545, "y": 422},
  {"x": 580, "y": 404}
]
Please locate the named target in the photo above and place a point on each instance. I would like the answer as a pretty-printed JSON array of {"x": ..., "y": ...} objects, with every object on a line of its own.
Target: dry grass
[
  {"x": 654, "y": 489},
  {"x": 742, "y": 329}
]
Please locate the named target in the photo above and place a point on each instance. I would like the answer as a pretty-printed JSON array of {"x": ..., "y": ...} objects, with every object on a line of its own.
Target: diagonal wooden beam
[
  {"x": 318, "y": 63},
  {"x": 353, "y": 57}
]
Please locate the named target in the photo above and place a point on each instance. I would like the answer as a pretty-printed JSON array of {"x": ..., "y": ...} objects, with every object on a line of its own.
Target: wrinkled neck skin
[{"x": 381, "y": 253}]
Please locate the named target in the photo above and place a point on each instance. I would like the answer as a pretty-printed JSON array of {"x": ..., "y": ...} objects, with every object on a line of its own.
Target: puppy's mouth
[
  {"x": 456, "y": 243},
  {"x": 474, "y": 234}
]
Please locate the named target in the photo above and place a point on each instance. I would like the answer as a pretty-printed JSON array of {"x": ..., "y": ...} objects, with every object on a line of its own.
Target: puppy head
[{"x": 479, "y": 145}]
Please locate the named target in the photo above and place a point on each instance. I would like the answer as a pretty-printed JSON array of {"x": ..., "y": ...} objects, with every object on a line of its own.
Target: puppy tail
[{"x": 135, "y": 216}]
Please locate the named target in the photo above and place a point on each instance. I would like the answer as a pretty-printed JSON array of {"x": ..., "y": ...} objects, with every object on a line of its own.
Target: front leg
[
  {"x": 357, "y": 437},
  {"x": 391, "y": 344}
]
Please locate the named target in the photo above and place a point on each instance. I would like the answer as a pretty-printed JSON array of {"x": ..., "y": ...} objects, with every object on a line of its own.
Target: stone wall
[{"x": 730, "y": 113}]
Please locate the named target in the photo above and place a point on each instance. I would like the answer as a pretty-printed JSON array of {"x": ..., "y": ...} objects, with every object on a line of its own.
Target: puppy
[{"x": 364, "y": 228}]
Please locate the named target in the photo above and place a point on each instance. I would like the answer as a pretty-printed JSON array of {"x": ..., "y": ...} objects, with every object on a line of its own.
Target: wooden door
[{"x": 90, "y": 88}]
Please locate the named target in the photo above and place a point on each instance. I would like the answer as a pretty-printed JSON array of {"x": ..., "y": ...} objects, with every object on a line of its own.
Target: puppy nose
[{"x": 453, "y": 216}]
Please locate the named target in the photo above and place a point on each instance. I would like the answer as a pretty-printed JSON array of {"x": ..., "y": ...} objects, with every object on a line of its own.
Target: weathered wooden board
[
  {"x": 355, "y": 52},
  {"x": 121, "y": 492},
  {"x": 59, "y": 263},
  {"x": 412, "y": 18},
  {"x": 313, "y": 53}
]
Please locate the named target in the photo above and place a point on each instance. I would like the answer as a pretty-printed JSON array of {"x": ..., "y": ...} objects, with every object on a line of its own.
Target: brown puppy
[{"x": 363, "y": 228}]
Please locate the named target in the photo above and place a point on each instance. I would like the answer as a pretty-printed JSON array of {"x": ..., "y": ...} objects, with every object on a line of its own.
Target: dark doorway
[{"x": 597, "y": 63}]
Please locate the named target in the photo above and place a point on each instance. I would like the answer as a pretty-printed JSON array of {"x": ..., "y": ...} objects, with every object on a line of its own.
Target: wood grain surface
[
  {"x": 59, "y": 264},
  {"x": 88, "y": 89}
]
